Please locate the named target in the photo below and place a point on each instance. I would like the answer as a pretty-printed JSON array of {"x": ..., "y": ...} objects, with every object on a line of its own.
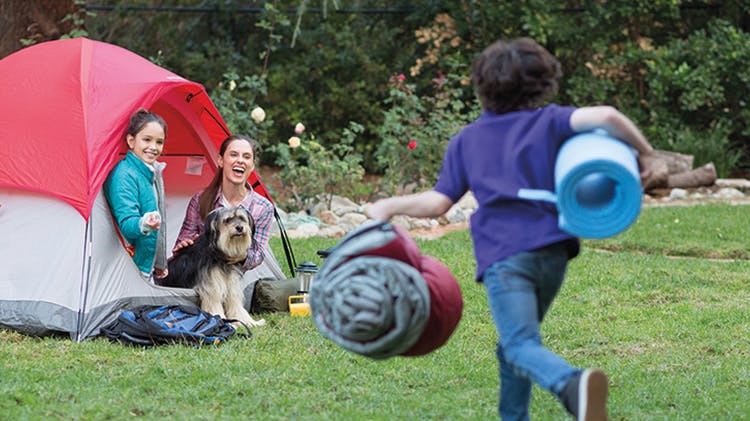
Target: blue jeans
[{"x": 520, "y": 289}]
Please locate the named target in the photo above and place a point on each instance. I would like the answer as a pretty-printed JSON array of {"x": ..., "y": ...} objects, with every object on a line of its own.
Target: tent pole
[
  {"x": 85, "y": 275},
  {"x": 286, "y": 243}
]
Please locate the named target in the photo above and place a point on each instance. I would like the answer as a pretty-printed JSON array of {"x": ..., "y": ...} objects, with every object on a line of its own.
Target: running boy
[{"x": 521, "y": 253}]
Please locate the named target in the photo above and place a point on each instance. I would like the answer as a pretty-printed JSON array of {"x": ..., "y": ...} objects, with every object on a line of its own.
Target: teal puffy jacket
[{"x": 129, "y": 190}]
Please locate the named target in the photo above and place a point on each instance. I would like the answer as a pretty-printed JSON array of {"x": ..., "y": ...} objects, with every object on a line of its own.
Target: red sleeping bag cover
[{"x": 446, "y": 301}]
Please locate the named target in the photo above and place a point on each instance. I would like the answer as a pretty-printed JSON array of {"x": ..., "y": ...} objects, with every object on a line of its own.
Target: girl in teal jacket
[{"x": 135, "y": 193}]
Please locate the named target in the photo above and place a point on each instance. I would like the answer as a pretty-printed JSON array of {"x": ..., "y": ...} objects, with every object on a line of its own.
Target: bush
[
  {"x": 312, "y": 172},
  {"x": 675, "y": 68},
  {"x": 698, "y": 98},
  {"x": 416, "y": 131}
]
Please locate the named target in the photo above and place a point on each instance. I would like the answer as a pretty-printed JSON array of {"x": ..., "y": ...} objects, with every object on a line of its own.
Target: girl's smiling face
[
  {"x": 148, "y": 143},
  {"x": 237, "y": 162}
]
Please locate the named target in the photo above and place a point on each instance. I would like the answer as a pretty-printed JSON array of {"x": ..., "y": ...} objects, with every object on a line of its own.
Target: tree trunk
[{"x": 37, "y": 20}]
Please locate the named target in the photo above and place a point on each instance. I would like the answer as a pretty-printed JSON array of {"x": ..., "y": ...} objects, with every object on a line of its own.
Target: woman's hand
[{"x": 184, "y": 243}]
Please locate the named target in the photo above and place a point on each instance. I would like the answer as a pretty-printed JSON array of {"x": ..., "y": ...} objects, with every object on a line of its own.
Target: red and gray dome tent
[{"x": 64, "y": 109}]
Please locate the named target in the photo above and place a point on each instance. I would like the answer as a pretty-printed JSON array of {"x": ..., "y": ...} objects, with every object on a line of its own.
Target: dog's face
[{"x": 231, "y": 230}]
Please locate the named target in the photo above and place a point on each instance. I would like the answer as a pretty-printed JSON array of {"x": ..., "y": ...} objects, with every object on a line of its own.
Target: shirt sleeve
[
  {"x": 262, "y": 213},
  {"x": 452, "y": 177},
  {"x": 561, "y": 122},
  {"x": 121, "y": 191}
]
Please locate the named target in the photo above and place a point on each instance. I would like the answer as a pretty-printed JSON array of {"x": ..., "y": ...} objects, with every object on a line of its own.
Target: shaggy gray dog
[{"x": 212, "y": 264}]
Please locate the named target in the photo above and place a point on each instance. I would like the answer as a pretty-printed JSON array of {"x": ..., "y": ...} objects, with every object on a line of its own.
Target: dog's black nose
[{"x": 239, "y": 228}]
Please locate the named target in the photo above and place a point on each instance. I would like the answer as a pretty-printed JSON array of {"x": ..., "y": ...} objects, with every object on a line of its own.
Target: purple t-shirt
[{"x": 494, "y": 157}]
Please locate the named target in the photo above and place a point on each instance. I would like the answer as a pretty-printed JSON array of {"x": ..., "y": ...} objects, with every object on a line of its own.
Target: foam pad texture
[{"x": 598, "y": 186}]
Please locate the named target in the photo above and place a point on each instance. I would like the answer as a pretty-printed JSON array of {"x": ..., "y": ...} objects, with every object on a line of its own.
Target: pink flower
[
  {"x": 299, "y": 128},
  {"x": 401, "y": 77},
  {"x": 294, "y": 142},
  {"x": 412, "y": 145}
]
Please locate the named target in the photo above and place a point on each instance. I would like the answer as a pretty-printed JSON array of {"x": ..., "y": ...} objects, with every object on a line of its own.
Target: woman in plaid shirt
[{"x": 229, "y": 187}]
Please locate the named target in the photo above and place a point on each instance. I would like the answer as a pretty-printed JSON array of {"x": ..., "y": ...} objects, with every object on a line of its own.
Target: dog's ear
[{"x": 211, "y": 227}]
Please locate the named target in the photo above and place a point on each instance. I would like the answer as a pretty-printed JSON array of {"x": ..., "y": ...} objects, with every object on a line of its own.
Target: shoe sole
[{"x": 592, "y": 392}]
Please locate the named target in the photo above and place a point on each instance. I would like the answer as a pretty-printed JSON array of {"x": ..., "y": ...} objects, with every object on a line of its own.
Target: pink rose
[
  {"x": 299, "y": 128},
  {"x": 412, "y": 145},
  {"x": 401, "y": 78}
]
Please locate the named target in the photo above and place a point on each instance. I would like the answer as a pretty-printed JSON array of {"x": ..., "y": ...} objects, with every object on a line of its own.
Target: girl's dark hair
[
  {"x": 142, "y": 117},
  {"x": 515, "y": 75},
  {"x": 208, "y": 196}
]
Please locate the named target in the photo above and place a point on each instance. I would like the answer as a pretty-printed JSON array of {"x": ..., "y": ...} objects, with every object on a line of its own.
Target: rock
[
  {"x": 328, "y": 217},
  {"x": 454, "y": 215},
  {"x": 728, "y": 193},
  {"x": 402, "y": 221},
  {"x": 341, "y": 205},
  {"x": 740, "y": 184},
  {"x": 468, "y": 202},
  {"x": 305, "y": 230},
  {"x": 423, "y": 223},
  {"x": 333, "y": 231},
  {"x": 676, "y": 194},
  {"x": 353, "y": 218}
]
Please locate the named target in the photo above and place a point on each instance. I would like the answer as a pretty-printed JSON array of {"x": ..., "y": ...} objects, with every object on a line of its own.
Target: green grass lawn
[{"x": 661, "y": 308}]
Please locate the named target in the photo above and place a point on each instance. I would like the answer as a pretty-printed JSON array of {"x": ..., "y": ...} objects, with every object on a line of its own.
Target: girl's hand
[
  {"x": 160, "y": 273},
  {"x": 152, "y": 220}
]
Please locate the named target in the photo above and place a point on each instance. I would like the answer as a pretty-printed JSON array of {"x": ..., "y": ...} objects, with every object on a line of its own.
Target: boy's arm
[
  {"x": 426, "y": 204},
  {"x": 612, "y": 120},
  {"x": 620, "y": 126}
]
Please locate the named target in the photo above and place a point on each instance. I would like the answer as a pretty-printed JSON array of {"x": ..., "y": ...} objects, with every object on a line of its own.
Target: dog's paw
[
  {"x": 249, "y": 323},
  {"x": 260, "y": 322}
]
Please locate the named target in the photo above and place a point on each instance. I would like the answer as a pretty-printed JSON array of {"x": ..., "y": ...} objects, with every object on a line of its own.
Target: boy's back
[{"x": 494, "y": 157}]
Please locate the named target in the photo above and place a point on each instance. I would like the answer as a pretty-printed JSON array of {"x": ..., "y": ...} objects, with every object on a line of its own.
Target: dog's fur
[{"x": 204, "y": 266}]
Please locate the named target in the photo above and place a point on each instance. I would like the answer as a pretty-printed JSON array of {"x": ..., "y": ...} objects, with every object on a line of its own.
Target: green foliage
[
  {"x": 235, "y": 98},
  {"x": 416, "y": 130},
  {"x": 673, "y": 67},
  {"x": 697, "y": 97},
  {"x": 312, "y": 172},
  {"x": 706, "y": 144},
  {"x": 76, "y": 21}
]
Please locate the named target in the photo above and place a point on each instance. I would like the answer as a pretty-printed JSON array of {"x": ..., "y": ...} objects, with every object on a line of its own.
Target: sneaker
[{"x": 585, "y": 396}]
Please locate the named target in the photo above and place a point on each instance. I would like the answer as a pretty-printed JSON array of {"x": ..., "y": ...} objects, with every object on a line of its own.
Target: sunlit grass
[{"x": 673, "y": 334}]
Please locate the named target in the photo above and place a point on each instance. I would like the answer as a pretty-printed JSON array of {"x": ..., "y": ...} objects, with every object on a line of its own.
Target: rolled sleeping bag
[
  {"x": 597, "y": 186},
  {"x": 376, "y": 295}
]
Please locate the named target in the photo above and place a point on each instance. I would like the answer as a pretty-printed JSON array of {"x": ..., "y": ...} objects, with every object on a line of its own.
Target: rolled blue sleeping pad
[{"x": 597, "y": 186}]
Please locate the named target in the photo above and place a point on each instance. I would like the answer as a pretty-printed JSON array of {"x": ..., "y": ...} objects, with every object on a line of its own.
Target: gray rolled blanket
[{"x": 373, "y": 306}]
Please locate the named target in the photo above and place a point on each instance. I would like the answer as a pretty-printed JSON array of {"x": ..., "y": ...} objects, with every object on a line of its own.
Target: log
[
  {"x": 659, "y": 176},
  {"x": 701, "y": 176},
  {"x": 676, "y": 162}
]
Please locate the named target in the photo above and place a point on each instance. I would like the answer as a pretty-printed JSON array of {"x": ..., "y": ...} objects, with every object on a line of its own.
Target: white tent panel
[{"x": 42, "y": 243}]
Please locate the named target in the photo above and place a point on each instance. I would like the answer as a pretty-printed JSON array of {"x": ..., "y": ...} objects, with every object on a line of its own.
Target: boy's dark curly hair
[{"x": 515, "y": 75}]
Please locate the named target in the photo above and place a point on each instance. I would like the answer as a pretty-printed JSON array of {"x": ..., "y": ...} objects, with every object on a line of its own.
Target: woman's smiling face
[
  {"x": 237, "y": 162},
  {"x": 148, "y": 143}
]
